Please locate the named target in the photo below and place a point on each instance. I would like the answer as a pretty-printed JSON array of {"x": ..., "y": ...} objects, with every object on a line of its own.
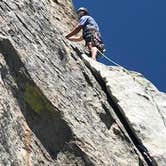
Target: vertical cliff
[{"x": 57, "y": 107}]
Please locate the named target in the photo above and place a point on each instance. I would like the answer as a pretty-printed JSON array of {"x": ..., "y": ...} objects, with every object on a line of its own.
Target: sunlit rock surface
[
  {"x": 53, "y": 108},
  {"x": 140, "y": 103}
]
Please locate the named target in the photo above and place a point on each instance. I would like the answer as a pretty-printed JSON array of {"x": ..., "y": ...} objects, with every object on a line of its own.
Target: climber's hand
[{"x": 74, "y": 31}]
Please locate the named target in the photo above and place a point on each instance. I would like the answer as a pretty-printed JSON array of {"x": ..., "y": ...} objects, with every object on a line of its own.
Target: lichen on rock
[{"x": 36, "y": 100}]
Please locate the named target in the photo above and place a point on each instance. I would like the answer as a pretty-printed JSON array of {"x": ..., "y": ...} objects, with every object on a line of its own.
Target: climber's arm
[
  {"x": 76, "y": 39},
  {"x": 74, "y": 31}
]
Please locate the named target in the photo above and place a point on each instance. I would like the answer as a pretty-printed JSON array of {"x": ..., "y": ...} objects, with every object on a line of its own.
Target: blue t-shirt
[{"x": 88, "y": 22}]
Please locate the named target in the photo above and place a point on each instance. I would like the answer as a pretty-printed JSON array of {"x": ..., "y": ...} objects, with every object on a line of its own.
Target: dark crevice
[
  {"x": 107, "y": 118},
  {"x": 73, "y": 56},
  {"x": 79, "y": 53},
  {"x": 62, "y": 54},
  {"x": 119, "y": 112},
  {"x": 9, "y": 8},
  {"x": 56, "y": 1},
  {"x": 23, "y": 24},
  {"x": 72, "y": 148},
  {"x": 43, "y": 118},
  {"x": 3, "y": 71},
  {"x": 88, "y": 80}
]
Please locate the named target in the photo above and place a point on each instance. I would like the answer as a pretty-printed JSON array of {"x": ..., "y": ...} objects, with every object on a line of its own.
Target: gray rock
[
  {"x": 53, "y": 109},
  {"x": 140, "y": 103}
]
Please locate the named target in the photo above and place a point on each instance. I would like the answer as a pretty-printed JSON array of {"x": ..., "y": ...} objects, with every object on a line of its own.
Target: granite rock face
[
  {"x": 138, "y": 102},
  {"x": 53, "y": 108}
]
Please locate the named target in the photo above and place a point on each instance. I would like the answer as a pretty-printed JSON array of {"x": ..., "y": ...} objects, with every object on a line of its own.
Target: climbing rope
[{"x": 113, "y": 62}]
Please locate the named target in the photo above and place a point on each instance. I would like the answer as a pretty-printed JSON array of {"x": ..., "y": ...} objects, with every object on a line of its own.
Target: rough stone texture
[
  {"x": 141, "y": 104},
  {"x": 53, "y": 111}
]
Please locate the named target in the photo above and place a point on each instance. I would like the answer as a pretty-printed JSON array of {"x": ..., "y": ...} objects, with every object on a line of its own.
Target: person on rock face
[{"x": 90, "y": 34}]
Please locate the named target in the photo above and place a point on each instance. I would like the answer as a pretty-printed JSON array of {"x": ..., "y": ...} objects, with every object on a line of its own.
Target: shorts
[{"x": 93, "y": 36}]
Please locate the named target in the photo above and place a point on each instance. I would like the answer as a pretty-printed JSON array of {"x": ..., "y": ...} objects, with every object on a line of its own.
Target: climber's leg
[{"x": 92, "y": 50}]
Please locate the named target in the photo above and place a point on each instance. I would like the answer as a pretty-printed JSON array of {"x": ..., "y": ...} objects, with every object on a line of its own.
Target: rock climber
[{"x": 90, "y": 34}]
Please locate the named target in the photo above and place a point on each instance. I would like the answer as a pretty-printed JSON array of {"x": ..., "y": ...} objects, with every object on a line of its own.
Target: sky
[{"x": 134, "y": 34}]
